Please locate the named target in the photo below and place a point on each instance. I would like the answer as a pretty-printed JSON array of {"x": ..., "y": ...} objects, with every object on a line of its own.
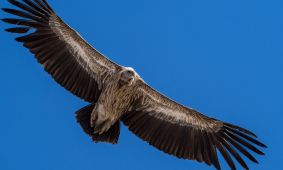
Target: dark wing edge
[
  {"x": 71, "y": 61},
  {"x": 197, "y": 138}
]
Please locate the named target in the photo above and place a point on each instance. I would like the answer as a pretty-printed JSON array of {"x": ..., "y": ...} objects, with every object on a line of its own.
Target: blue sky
[{"x": 224, "y": 58}]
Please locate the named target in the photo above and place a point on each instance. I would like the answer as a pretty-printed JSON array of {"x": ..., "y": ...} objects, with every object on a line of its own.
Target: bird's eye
[{"x": 129, "y": 72}]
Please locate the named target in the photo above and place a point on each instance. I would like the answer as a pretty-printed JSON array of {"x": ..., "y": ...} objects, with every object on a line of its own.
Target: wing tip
[
  {"x": 263, "y": 145},
  {"x": 11, "y": 1},
  {"x": 5, "y": 9},
  {"x": 240, "y": 129},
  {"x": 4, "y": 20},
  {"x": 18, "y": 30}
]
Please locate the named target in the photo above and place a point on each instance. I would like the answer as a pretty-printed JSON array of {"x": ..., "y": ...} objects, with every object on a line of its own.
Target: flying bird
[{"x": 118, "y": 94}]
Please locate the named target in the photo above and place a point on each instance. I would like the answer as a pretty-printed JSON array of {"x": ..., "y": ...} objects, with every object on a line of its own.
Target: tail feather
[{"x": 83, "y": 117}]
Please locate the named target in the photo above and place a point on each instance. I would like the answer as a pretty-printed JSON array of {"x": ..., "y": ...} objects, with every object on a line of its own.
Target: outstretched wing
[
  {"x": 64, "y": 54},
  {"x": 186, "y": 133}
]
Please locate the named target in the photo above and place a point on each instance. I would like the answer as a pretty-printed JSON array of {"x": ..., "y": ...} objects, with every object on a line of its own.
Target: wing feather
[
  {"x": 186, "y": 133},
  {"x": 64, "y": 54}
]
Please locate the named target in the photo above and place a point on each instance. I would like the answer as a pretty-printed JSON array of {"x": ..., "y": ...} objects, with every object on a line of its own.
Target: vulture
[{"x": 118, "y": 94}]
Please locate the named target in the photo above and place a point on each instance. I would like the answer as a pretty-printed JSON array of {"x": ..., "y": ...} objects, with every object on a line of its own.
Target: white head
[{"x": 128, "y": 76}]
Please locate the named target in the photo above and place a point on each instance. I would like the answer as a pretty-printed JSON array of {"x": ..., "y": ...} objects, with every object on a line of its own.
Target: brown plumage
[{"x": 118, "y": 93}]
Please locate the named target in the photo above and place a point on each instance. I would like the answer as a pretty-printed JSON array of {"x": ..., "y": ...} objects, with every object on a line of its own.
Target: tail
[{"x": 83, "y": 117}]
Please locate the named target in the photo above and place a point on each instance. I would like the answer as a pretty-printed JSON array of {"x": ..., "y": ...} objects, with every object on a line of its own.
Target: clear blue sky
[{"x": 224, "y": 58}]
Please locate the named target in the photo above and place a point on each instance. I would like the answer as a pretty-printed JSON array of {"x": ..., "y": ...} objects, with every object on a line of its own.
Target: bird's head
[{"x": 127, "y": 76}]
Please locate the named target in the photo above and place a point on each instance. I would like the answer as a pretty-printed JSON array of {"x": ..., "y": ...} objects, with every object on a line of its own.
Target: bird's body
[
  {"x": 118, "y": 94},
  {"x": 115, "y": 99}
]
